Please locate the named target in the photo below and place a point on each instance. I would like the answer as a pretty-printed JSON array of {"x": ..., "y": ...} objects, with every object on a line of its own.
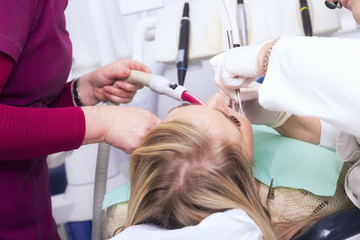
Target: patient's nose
[{"x": 216, "y": 102}]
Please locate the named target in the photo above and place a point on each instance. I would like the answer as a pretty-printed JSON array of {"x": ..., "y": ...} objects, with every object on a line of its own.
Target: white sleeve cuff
[{"x": 328, "y": 135}]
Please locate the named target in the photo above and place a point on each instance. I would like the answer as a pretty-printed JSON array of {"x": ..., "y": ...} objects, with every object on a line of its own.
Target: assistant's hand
[
  {"x": 120, "y": 126},
  {"x": 236, "y": 68},
  {"x": 99, "y": 85}
]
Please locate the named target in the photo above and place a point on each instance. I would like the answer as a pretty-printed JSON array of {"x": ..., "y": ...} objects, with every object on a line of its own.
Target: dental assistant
[
  {"x": 316, "y": 77},
  {"x": 41, "y": 114}
]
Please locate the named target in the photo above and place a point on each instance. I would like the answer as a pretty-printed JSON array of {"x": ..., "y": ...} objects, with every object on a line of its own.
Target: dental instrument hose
[
  {"x": 102, "y": 164},
  {"x": 157, "y": 84},
  {"x": 101, "y": 173}
]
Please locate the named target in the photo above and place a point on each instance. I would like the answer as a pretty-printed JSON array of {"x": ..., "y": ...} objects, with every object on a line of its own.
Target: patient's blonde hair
[{"x": 180, "y": 175}]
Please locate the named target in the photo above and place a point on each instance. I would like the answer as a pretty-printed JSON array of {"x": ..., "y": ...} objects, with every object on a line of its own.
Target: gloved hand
[
  {"x": 256, "y": 113},
  {"x": 236, "y": 68}
]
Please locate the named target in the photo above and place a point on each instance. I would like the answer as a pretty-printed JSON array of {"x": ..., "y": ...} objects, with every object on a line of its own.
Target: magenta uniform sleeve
[{"x": 32, "y": 132}]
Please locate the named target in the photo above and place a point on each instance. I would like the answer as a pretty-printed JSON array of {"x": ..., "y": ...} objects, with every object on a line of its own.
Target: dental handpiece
[{"x": 163, "y": 86}]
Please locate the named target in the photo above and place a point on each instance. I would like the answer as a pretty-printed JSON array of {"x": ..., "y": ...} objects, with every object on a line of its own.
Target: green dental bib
[{"x": 294, "y": 164}]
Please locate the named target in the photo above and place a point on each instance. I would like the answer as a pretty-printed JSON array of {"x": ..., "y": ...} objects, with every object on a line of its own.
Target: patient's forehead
[
  {"x": 208, "y": 119},
  {"x": 217, "y": 123},
  {"x": 191, "y": 113}
]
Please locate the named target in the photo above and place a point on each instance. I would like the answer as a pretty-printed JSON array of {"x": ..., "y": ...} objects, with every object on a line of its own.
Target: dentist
[{"x": 311, "y": 78}]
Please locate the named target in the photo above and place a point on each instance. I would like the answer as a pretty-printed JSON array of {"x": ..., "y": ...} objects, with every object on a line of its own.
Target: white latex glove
[
  {"x": 256, "y": 113},
  {"x": 236, "y": 68}
]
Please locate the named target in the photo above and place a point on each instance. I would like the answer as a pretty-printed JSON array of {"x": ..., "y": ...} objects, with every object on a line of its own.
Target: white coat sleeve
[
  {"x": 328, "y": 135},
  {"x": 317, "y": 77}
]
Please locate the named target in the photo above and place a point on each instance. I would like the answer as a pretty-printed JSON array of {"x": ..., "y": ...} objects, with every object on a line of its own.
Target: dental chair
[
  {"x": 340, "y": 225},
  {"x": 343, "y": 224}
]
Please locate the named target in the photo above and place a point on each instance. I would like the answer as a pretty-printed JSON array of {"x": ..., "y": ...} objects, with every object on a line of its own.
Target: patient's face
[
  {"x": 215, "y": 118},
  {"x": 353, "y": 6}
]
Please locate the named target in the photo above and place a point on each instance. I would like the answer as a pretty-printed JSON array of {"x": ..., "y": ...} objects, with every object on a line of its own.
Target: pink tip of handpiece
[{"x": 191, "y": 98}]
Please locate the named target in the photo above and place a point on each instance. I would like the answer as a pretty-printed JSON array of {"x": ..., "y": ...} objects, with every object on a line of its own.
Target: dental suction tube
[{"x": 163, "y": 86}]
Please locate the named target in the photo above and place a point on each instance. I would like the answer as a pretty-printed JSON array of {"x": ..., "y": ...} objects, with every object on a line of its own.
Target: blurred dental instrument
[
  {"x": 183, "y": 52},
  {"x": 163, "y": 86},
  {"x": 333, "y": 5},
  {"x": 305, "y": 16},
  {"x": 233, "y": 41},
  {"x": 233, "y": 32},
  {"x": 242, "y": 22}
]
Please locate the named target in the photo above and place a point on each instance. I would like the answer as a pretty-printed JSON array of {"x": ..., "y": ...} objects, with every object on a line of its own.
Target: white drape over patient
[{"x": 233, "y": 224}]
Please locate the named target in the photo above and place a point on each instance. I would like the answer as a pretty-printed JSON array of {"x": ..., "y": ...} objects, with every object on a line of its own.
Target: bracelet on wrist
[
  {"x": 265, "y": 61},
  {"x": 75, "y": 92}
]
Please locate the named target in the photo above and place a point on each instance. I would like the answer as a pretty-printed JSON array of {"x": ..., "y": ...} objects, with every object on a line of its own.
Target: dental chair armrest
[{"x": 340, "y": 225}]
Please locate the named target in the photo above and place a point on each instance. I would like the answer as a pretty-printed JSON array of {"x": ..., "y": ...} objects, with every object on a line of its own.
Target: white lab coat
[
  {"x": 233, "y": 224},
  {"x": 320, "y": 77}
]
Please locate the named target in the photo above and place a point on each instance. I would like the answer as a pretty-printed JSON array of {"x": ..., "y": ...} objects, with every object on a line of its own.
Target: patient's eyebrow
[
  {"x": 231, "y": 118},
  {"x": 185, "y": 104}
]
